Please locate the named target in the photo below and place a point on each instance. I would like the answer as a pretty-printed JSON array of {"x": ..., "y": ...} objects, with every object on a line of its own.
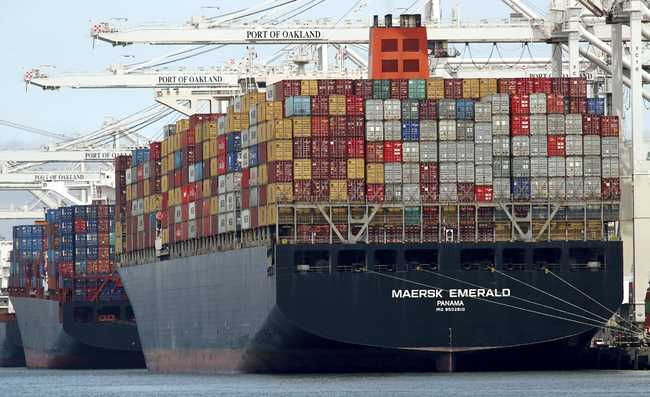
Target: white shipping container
[
  {"x": 591, "y": 145},
  {"x": 393, "y": 173},
  {"x": 254, "y": 136},
  {"x": 253, "y": 180},
  {"x": 393, "y": 193},
  {"x": 222, "y": 184},
  {"x": 573, "y": 167},
  {"x": 591, "y": 166},
  {"x": 222, "y": 204},
  {"x": 374, "y": 131},
  {"x": 483, "y": 175},
  {"x": 374, "y": 109},
  {"x": 555, "y": 124},
  {"x": 609, "y": 146},
  {"x": 145, "y": 171},
  {"x": 134, "y": 207},
  {"x": 539, "y": 188},
  {"x": 191, "y": 229},
  {"x": 464, "y": 151},
  {"x": 483, "y": 132},
  {"x": 230, "y": 202},
  {"x": 575, "y": 188},
  {"x": 140, "y": 206},
  {"x": 392, "y": 109},
  {"x": 448, "y": 193},
  {"x": 483, "y": 154},
  {"x": 411, "y": 193},
  {"x": 465, "y": 130},
  {"x": 178, "y": 214},
  {"x": 556, "y": 166},
  {"x": 465, "y": 172},
  {"x": 447, "y": 173},
  {"x": 447, "y": 151},
  {"x": 428, "y": 151},
  {"x": 446, "y": 109},
  {"x": 537, "y": 103},
  {"x": 231, "y": 223},
  {"x": 538, "y": 124},
  {"x": 500, "y": 103},
  {"x": 237, "y": 104},
  {"x": 230, "y": 182},
  {"x": 253, "y": 198},
  {"x": 140, "y": 223},
  {"x": 520, "y": 145},
  {"x": 538, "y": 145},
  {"x": 483, "y": 112},
  {"x": 501, "y": 124},
  {"x": 393, "y": 130},
  {"x": 520, "y": 167},
  {"x": 573, "y": 124},
  {"x": 191, "y": 209},
  {"x": 573, "y": 145},
  {"x": 129, "y": 178},
  {"x": 501, "y": 167},
  {"x": 428, "y": 130},
  {"x": 245, "y": 219},
  {"x": 592, "y": 188},
  {"x": 245, "y": 138},
  {"x": 500, "y": 145},
  {"x": 252, "y": 115},
  {"x": 222, "y": 223},
  {"x": 270, "y": 93},
  {"x": 411, "y": 173},
  {"x": 539, "y": 167},
  {"x": 610, "y": 167},
  {"x": 245, "y": 158},
  {"x": 221, "y": 126},
  {"x": 501, "y": 189},
  {"x": 447, "y": 130},
  {"x": 557, "y": 188},
  {"x": 411, "y": 152}
]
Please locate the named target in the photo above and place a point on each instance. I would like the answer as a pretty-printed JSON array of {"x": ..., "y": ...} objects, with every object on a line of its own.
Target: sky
[{"x": 42, "y": 32}]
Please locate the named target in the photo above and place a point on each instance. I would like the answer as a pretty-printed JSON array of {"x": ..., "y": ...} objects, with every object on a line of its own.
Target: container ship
[
  {"x": 11, "y": 344},
  {"x": 396, "y": 223},
  {"x": 70, "y": 304}
]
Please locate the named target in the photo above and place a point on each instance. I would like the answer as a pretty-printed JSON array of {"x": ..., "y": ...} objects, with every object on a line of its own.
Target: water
[{"x": 135, "y": 383}]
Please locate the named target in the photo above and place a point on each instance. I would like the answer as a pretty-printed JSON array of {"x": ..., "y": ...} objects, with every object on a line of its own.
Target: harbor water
[{"x": 52, "y": 383}]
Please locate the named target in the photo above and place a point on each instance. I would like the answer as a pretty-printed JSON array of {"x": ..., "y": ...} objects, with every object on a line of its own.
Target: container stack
[{"x": 28, "y": 257}]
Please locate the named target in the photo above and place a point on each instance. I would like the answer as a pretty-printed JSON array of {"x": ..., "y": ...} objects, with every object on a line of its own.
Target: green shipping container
[
  {"x": 417, "y": 89},
  {"x": 412, "y": 216},
  {"x": 381, "y": 89},
  {"x": 111, "y": 238}
]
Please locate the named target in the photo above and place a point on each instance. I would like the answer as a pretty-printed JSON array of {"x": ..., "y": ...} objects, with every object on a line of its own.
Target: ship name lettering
[
  {"x": 479, "y": 293},
  {"x": 417, "y": 293},
  {"x": 451, "y": 303}
]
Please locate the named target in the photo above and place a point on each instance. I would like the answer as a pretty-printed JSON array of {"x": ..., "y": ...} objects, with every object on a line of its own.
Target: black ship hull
[
  {"x": 11, "y": 345},
  {"x": 70, "y": 337},
  {"x": 347, "y": 308}
]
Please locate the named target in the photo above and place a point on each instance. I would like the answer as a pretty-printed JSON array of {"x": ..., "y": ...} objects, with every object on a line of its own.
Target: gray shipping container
[
  {"x": 270, "y": 93},
  {"x": 230, "y": 202},
  {"x": 609, "y": 146},
  {"x": 428, "y": 130},
  {"x": 254, "y": 135},
  {"x": 448, "y": 193},
  {"x": 465, "y": 173},
  {"x": 178, "y": 214},
  {"x": 374, "y": 109},
  {"x": 591, "y": 145},
  {"x": 500, "y": 103},
  {"x": 411, "y": 173},
  {"x": 573, "y": 145},
  {"x": 245, "y": 138},
  {"x": 428, "y": 151},
  {"x": 610, "y": 167},
  {"x": 254, "y": 198},
  {"x": 411, "y": 193},
  {"x": 483, "y": 154},
  {"x": 591, "y": 166},
  {"x": 539, "y": 167},
  {"x": 575, "y": 188},
  {"x": 447, "y": 172},
  {"x": 411, "y": 152},
  {"x": 222, "y": 223},
  {"x": 374, "y": 131},
  {"x": 556, "y": 166},
  {"x": 537, "y": 103},
  {"x": 254, "y": 177},
  {"x": 191, "y": 229},
  {"x": 592, "y": 188},
  {"x": 191, "y": 209},
  {"x": 464, "y": 151},
  {"x": 538, "y": 145},
  {"x": 483, "y": 175},
  {"x": 446, "y": 109},
  {"x": 483, "y": 132},
  {"x": 222, "y": 203},
  {"x": 500, "y": 145},
  {"x": 252, "y": 115},
  {"x": 222, "y": 184},
  {"x": 245, "y": 158},
  {"x": 538, "y": 124},
  {"x": 393, "y": 130},
  {"x": 501, "y": 124},
  {"x": 483, "y": 112},
  {"x": 447, "y": 151},
  {"x": 392, "y": 109},
  {"x": 555, "y": 124},
  {"x": 557, "y": 188},
  {"x": 231, "y": 222},
  {"x": 501, "y": 167},
  {"x": 393, "y": 173},
  {"x": 465, "y": 130},
  {"x": 501, "y": 189},
  {"x": 393, "y": 193},
  {"x": 539, "y": 188},
  {"x": 574, "y": 166},
  {"x": 520, "y": 145},
  {"x": 573, "y": 124},
  {"x": 447, "y": 130},
  {"x": 410, "y": 109},
  {"x": 146, "y": 171},
  {"x": 520, "y": 167}
]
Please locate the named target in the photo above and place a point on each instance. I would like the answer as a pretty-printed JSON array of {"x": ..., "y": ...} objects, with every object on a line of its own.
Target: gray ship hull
[{"x": 11, "y": 345}]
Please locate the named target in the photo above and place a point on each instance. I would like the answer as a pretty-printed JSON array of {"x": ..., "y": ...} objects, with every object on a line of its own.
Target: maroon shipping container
[
  {"x": 320, "y": 190},
  {"x": 154, "y": 150},
  {"x": 320, "y": 148},
  {"x": 188, "y": 139},
  {"x": 339, "y": 148},
  {"x": 355, "y": 126},
  {"x": 286, "y": 88},
  {"x": 578, "y": 105},
  {"x": 185, "y": 176},
  {"x": 343, "y": 87},
  {"x": 543, "y": 85},
  {"x": 399, "y": 88},
  {"x": 155, "y": 167},
  {"x": 280, "y": 171},
  {"x": 591, "y": 124},
  {"x": 206, "y": 207},
  {"x": 453, "y": 88},
  {"x": 556, "y": 145},
  {"x": 429, "y": 192},
  {"x": 140, "y": 172},
  {"x": 578, "y": 87},
  {"x": 79, "y": 225},
  {"x": 262, "y": 192},
  {"x": 188, "y": 156},
  {"x": 206, "y": 169},
  {"x": 304, "y": 234},
  {"x": 214, "y": 186},
  {"x": 393, "y": 151},
  {"x": 198, "y": 119},
  {"x": 320, "y": 126},
  {"x": 519, "y": 124},
  {"x": 245, "y": 178},
  {"x": 326, "y": 87},
  {"x": 356, "y": 190},
  {"x": 519, "y": 104},
  {"x": 301, "y": 148},
  {"x": 560, "y": 85},
  {"x": 302, "y": 190},
  {"x": 102, "y": 225},
  {"x": 525, "y": 86},
  {"x": 122, "y": 163},
  {"x": 374, "y": 152},
  {"x": 609, "y": 125},
  {"x": 363, "y": 87},
  {"x": 320, "y": 105},
  {"x": 337, "y": 125},
  {"x": 611, "y": 189},
  {"x": 320, "y": 169},
  {"x": 466, "y": 193},
  {"x": 261, "y": 153},
  {"x": 507, "y": 86},
  {"x": 555, "y": 103},
  {"x": 428, "y": 109},
  {"x": 356, "y": 148},
  {"x": 428, "y": 173},
  {"x": 375, "y": 193},
  {"x": 338, "y": 169},
  {"x": 245, "y": 199},
  {"x": 354, "y": 105},
  {"x": 198, "y": 154}
]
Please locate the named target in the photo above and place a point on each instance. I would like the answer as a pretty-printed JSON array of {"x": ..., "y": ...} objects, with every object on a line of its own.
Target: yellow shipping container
[
  {"x": 302, "y": 169},
  {"x": 356, "y": 169},
  {"x": 178, "y": 144},
  {"x": 163, "y": 166},
  {"x": 129, "y": 193},
  {"x": 279, "y": 150},
  {"x": 339, "y": 190},
  {"x": 487, "y": 87},
  {"x": 179, "y": 195},
  {"x": 272, "y": 212},
  {"x": 309, "y": 87},
  {"x": 170, "y": 162},
  {"x": 279, "y": 129},
  {"x": 337, "y": 105},
  {"x": 171, "y": 198},
  {"x": 182, "y": 125},
  {"x": 284, "y": 192},
  {"x": 471, "y": 89},
  {"x": 164, "y": 183},
  {"x": 207, "y": 187},
  {"x": 244, "y": 121},
  {"x": 375, "y": 173},
  {"x": 263, "y": 173},
  {"x": 147, "y": 188},
  {"x": 271, "y": 196},
  {"x": 261, "y": 132},
  {"x": 214, "y": 205},
  {"x": 210, "y": 130},
  {"x": 301, "y": 126},
  {"x": 165, "y": 235},
  {"x": 118, "y": 245},
  {"x": 263, "y": 215},
  {"x": 156, "y": 202},
  {"x": 230, "y": 109},
  {"x": 214, "y": 148},
  {"x": 214, "y": 166},
  {"x": 163, "y": 148},
  {"x": 436, "y": 88},
  {"x": 198, "y": 134}
]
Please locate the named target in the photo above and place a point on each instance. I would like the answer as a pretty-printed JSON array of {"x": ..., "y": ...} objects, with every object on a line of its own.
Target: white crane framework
[{"x": 612, "y": 30}]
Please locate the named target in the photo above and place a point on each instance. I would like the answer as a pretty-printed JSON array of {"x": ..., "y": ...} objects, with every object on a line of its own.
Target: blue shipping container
[
  {"x": 199, "y": 172},
  {"x": 37, "y": 231},
  {"x": 465, "y": 109},
  {"x": 79, "y": 238},
  {"x": 25, "y": 231},
  {"x": 66, "y": 213},
  {"x": 79, "y": 267},
  {"x": 91, "y": 253},
  {"x": 233, "y": 162},
  {"x": 254, "y": 157},
  {"x": 521, "y": 188},
  {"x": 178, "y": 160},
  {"x": 596, "y": 106},
  {"x": 91, "y": 225},
  {"x": 91, "y": 211},
  {"x": 111, "y": 211},
  {"x": 298, "y": 105},
  {"x": 66, "y": 227},
  {"x": 233, "y": 142},
  {"x": 52, "y": 216},
  {"x": 80, "y": 253},
  {"x": 79, "y": 211},
  {"x": 91, "y": 239},
  {"x": 410, "y": 131}
]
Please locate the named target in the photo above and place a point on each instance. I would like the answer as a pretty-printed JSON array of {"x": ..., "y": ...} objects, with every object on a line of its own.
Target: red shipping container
[
  {"x": 376, "y": 193},
  {"x": 221, "y": 164},
  {"x": 198, "y": 209},
  {"x": 245, "y": 199},
  {"x": 214, "y": 224},
  {"x": 320, "y": 169},
  {"x": 507, "y": 86},
  {"x": 525, "y": 86},
  {"x": 591, "y": 124},
  {"x": 356, "y": 190},
  {"x": 428, "y": 109},
  {"x": 320, "y": 126},
  {"x": 355, "y": 126},
  {"x": 326, "y": 87},
  {"x": 304, "y": 234},
  {"x": 80, "y": 225},
  {"x": 343, "y": 87},
  {"x": 185, "y": 212},
  {"x": 556, "y": 145},
  {"x": 428, "y": 173},
  {"x": 102, "y": 225},
  {"x": 171, "y": 179},
  {"x": 429, "y": 192},
  {"x": 338, "y": 169},
  {"x": 578, "y": 105},
  {"x": 555, "y": 103},
  {"x": 321, "y": 233},
  {"x": 519, "y": 104},
  {"x": 164, "y": 219},
  {"x": 178, "y": 232},
  {"x": 302, "y": 190},
  {"x": 185, "y": 231},
  {"x": 320, "y": 190},
  {"x": 609, "y": 126},
  {"x": 214, "y": 186},
  {"x": 374, "y": 152},
  {"x": 484, "y": 194},
  {"x": 339, "y": 148},
  {"x": 122, "y": 163},
  {"x": 263, "y": 191},
  {"x": 245, "y": 178},
  {"x": 178, "y": 178},
  {"x": 261, "y": 153},
  {"x": 280, "y": 171},
  {"x": 356, "y": 148},
  {"x": 255, "y": 218},
  {"x": 206, "y": 169},
  {"x": 393, "y": 151},
  {"x": 453, "y": 89},
  {"x": 154, "y": 150},
  {"x": 188, "y": 156},
  {"x": 165, "y": 201},
  {"x": 320, "y": 148},
  {"x": 543, "y": 85},
  {"x": 140, "y": 172},
  {"x": 221, "y": 145},
  {"x": 363, "y": 87},
  {"x": 354, "y": 105},
  {"x": 198, "y": 119},
  {"x": 519, "y": 124},
  {"x": 185, "y": 196},
  {"x": 611, "y": 189},
  {"x": 207, "y": 226},
  {"x": 301, "y": 148},
  {"x": 286, "y": 88},
  {"x": 320, "y": 105},
  {"x": 560, "y": 85},
  {"x": 466, "y": 192},
  {"x": 206, "y": 207},
  {"x": 578, "y": 87},
  {"x": 337, "y": 126}
]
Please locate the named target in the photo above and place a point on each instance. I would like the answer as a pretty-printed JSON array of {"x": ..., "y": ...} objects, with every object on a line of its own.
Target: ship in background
[
  {"x": 11, "y": 344},
  {"x": 397, "y": 223},
  {"x": 69, "y": 301}
]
